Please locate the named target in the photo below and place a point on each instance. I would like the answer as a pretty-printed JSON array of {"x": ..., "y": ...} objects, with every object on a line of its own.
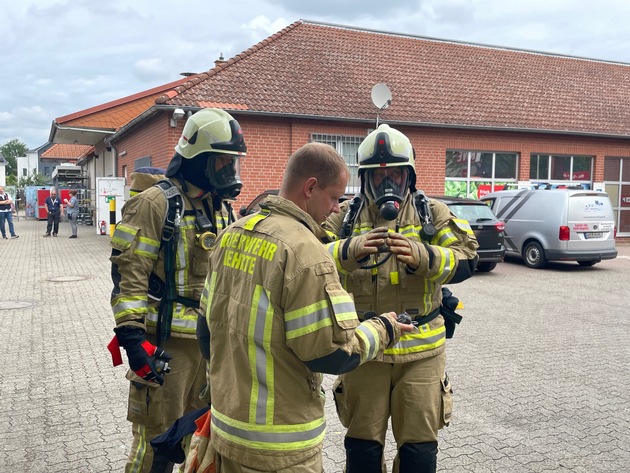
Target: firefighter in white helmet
[
  {"x": 278, "y": 317},
  {"x": 159, "y": 264},
  {"x": 425, "y": 247}
]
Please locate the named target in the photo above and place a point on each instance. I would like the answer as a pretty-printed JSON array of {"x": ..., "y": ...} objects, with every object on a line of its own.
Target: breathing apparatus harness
[
  {"x": 423, "y": 210},
  {"x": 206, "y": 228},
  {"x": 421, "y": 202}
]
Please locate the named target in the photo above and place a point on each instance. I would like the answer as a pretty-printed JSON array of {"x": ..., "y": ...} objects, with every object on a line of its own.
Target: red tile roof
[
  {"x": 113, "y": 115},
  {"x": 67, "y": 152},
  {"x": 328, "y": 71}
]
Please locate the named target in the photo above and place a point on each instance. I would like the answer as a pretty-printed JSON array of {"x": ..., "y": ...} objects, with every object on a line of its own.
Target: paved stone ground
[{"x": 539, "y": 365}]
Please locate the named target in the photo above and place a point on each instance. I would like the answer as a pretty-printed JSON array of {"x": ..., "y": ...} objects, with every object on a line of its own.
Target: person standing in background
[
  {"x": 53, "y": 209},
  {"x": 6, "y": 214},
  {"x": 72, "y": 210}
]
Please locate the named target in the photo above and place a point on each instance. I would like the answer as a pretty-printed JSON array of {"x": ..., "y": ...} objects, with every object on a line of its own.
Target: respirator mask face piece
[
  {"x": 388, "y": 185},
  {"x": 223, "y": 172}
]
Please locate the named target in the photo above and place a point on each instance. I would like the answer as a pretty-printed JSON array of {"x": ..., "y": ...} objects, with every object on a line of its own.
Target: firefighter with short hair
[
  {"x": 159, "y": 264},
  {"x": 424, "y": 246},
  {"x": 278, "y": 317}
]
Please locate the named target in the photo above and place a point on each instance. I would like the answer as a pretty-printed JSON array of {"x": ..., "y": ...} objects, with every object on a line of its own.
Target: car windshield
[{"x": 473, "y": 213}]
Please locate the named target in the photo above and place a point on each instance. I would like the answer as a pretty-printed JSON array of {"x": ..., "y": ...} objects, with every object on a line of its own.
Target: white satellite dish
[{"x": 381, "y": 96}]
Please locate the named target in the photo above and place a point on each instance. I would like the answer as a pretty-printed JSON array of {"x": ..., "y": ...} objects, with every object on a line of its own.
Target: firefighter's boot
[{"x": 161, "y": 465}]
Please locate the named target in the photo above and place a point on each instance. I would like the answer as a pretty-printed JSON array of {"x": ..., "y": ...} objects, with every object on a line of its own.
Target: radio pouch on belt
[{"x": 447, "y": 309}]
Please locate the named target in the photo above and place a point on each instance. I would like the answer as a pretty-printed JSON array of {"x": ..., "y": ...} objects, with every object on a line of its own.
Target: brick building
[{"x": 480, "y": 117}]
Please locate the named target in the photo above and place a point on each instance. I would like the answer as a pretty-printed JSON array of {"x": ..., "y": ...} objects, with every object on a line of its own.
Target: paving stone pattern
[{"x": 539, "y": 366}]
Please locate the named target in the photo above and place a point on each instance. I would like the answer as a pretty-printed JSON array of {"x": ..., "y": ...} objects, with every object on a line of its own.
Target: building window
[
  {"x": 143, "y": 162},
  {"x": 476, "y": 173},
  {"x": 346, "y": 146},
  {"x": 549, "y": 169},
  {"x": 617, "y": 185}
]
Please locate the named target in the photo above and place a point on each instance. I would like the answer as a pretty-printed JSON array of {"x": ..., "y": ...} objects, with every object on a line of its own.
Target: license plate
[{"x": 589, "y": 235}]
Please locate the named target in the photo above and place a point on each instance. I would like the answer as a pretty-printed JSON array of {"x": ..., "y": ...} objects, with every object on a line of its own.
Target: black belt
[
  {"x": 425, "y": 319},
  {"x": 420, "y": 320}
]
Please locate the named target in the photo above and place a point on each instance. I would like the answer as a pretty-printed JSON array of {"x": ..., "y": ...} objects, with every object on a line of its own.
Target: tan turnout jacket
[{"x": 277, "y": 314}]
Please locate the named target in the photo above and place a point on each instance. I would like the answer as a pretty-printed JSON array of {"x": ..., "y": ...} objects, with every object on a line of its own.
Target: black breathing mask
[
  {"x": 388, "y": 187},
  {"x": 223, "y": 173}
]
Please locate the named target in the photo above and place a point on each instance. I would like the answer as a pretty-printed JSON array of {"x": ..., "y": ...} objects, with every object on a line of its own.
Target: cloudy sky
[{"x": 63, "y": 56}]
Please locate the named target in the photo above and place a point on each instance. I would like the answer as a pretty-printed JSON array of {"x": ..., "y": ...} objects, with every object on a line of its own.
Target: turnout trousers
[
  {"x": 415, "y": 394},
  {"x": 312, "y": 465},
  {"x": 152, "y": 409}
]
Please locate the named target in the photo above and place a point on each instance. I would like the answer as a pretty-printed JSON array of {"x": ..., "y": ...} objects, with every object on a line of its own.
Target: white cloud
[
  {"x": 63, "y": 56},
  {"x": 263, "y": 24},
  {"x": 24, "y": 123},
  {"x": 148, "y": 69}
]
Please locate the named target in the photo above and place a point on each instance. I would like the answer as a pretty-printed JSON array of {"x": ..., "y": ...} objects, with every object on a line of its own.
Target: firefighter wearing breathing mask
[
  {"x": 159, "y": 264},
  {"x": 395, "y": 251}
]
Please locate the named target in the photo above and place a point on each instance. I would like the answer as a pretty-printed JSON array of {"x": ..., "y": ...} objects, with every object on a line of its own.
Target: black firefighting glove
[{"x": 145, "y": 359}]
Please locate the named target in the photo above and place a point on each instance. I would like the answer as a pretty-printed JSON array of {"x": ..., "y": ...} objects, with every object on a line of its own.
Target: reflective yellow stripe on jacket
[
  {"x": 124, "y": 236},
  {"x": 427, "y": 339},
  {"x": 182, "y": 322},
  {"x": 130, "y": 305},
  {"x": 259, "y": 432},
  {"x": 269, "y": 437}
]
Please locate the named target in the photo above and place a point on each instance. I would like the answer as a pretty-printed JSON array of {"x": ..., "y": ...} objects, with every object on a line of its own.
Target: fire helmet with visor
[
  {"x": 208, "y": 152},
  {"x": 386, "y": 168}
]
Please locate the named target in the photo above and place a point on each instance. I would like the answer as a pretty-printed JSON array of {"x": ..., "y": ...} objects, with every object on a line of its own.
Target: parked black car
[{"x": 487, "y": 228}]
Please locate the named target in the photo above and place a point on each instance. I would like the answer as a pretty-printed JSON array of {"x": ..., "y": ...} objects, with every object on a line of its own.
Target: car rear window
[
  {"x": 473, "y": 213},
  {"x": 590, "y": 207}
]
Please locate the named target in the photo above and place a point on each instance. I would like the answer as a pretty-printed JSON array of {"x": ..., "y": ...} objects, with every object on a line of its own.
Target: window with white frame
[
  {"x": 561, "y": 169},
  {"x": 476, "y": 173},
  {"x": 617, "y": 185},
  {"x": 347, "y": 147}
]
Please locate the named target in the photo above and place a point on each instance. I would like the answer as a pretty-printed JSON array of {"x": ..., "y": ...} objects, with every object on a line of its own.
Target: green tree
[
  {"x": 12, "y": 150},
  {"x": 35, "y": 179}
]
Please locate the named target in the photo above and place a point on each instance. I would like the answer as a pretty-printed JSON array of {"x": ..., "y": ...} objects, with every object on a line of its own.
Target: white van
[{"x": 556, "y": 224}]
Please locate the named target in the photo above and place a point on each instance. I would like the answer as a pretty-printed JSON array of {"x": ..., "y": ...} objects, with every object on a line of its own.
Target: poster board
[{"x": 106, "y": 189}]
